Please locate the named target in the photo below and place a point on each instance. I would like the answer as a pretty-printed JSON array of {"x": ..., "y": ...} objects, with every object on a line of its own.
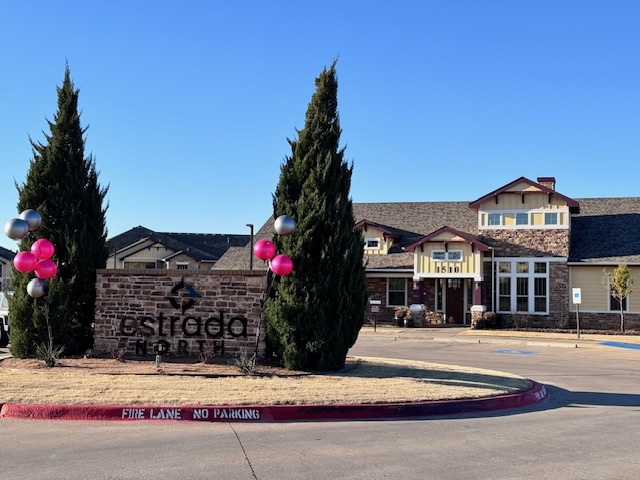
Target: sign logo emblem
[{"x": 185, "y": 301}]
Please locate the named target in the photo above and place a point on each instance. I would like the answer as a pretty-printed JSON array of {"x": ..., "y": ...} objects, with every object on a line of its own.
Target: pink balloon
[
  {"x": 43, "y": 249},
  {"x": 25, "y": 261},
  {"x": 264, "y": 249},
  {"x": 46, "y": 269},
  {"x": 282, "y": 265}
]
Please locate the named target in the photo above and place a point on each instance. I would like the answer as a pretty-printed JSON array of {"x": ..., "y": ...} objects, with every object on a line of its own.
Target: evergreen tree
[
  {"x": 316, "y": 312},
  {"x": 62, "y": 185}
]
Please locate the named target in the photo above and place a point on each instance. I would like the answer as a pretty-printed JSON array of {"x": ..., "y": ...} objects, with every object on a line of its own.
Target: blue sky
[{"x": 189, "y": 104}]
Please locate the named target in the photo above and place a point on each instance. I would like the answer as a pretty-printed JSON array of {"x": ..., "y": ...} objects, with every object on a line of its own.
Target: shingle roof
[
  {"x": 8, "y": 254},
  {"x": 605, "y": 230},
  {"x": 201, "y": 246}
]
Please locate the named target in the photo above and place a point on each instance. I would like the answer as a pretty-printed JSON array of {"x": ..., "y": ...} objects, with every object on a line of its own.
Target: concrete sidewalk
[{"x": 509, "y": 337}]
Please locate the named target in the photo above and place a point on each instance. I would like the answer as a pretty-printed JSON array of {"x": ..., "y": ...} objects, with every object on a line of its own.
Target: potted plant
[{"x": 399, "y": 316}]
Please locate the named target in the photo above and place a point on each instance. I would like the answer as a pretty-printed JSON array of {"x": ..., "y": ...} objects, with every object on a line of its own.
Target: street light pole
[{"x": 250, "y": 225}]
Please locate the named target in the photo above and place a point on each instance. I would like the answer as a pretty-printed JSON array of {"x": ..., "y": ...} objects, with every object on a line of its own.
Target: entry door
[{"x": 455, "y": 300}]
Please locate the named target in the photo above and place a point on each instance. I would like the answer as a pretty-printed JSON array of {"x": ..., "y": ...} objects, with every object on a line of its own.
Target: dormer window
[{"x": 372, "y": 244}]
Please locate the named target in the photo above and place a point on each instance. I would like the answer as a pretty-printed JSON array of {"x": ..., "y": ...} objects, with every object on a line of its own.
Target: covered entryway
[{"x": 455, "y": 310}]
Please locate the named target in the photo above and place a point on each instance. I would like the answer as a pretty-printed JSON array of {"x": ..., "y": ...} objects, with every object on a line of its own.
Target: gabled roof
[
  {"x": 602, "y": 230},
  {"x": 508, "y": 188},
  {"x": 386, "y": 230},
  {"x": 434, "y": 235},
  {"x": 7, "y": 254},
  {"x": 203, "y": 247}
]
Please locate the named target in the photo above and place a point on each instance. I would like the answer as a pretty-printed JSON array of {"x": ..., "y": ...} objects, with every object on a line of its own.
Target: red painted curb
[{"x": 275, "y": 413}]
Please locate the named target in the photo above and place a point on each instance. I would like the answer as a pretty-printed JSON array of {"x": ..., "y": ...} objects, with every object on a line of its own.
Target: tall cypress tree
[
  {"x": 316, "y": 312},
  {"x": 62, "y": 185}
]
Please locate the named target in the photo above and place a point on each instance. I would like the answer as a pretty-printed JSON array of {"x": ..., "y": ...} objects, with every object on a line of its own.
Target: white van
[{"x": 4, "y": 320}]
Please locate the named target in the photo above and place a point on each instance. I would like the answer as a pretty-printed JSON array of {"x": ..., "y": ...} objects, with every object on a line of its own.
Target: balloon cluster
[
  {"x": 265, "y": 250},
  {"x": 38, "y": 259}
]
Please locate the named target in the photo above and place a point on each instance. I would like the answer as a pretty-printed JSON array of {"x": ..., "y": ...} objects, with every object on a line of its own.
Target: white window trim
[
  {"x": 551, "y": 213},
  {"x": 528, "y": 226},
  {"x": 446, "y": 256},
  {"x": 610, "y": 299},
  {"x": 389, "y": 304},
  {"x": 186, "y": 264},
  {"x": 531, "y": 275},
  {"x": 372, "y": 239},
  {"x": 521, "y": 225}
]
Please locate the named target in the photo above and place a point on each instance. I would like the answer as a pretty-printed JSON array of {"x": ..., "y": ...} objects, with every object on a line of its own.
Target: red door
[{"x": 455, "y": 300}]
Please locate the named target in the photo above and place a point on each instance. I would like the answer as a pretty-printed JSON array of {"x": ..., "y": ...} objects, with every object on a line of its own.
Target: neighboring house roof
[
  {"x": 7, "y": 254},
  {"x": 203, "y": 247}
]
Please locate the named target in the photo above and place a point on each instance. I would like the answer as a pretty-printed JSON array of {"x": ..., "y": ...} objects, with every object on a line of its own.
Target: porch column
[
  {"x": 478, "y": 309},
  {"x": 418, "y": 292},
  {"x": 417, "y": 308},
  {"x": 478, "y": 287}
]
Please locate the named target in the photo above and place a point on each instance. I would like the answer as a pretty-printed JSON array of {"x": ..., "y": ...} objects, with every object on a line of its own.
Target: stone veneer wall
[
  {"x": 135, "y": 308},
  {"x": 528, "y": 243},
  {"x": 604, "y": 321},
  {"x": 558, "y": 299}
]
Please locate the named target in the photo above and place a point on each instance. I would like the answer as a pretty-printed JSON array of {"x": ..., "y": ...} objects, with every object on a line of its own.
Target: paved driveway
[{"x": 588, "y": 429}]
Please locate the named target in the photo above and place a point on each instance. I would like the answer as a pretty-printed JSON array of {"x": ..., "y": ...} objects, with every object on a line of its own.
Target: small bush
[
  {"x": 521, "y": 321},
  {"x": 49, "y": 354},
  {"x": 245, "y": 362}
]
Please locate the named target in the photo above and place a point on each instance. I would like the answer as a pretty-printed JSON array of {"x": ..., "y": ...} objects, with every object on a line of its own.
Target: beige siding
[
  {"x": 532, "y": 200},
  {"x": 509, "y": 219},
  {"x": 537, "y": 219},
  {"x": 470, "y": 264},
  {"x": 384, "y": 242},
  {"x": 594, "y": 296}
]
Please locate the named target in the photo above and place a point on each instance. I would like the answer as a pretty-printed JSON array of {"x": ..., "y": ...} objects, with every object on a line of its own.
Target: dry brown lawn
[{"x": 364, "y": 380}]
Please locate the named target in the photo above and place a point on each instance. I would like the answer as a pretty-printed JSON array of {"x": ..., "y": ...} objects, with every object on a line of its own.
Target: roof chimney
[{"x": 549, "y": 182}]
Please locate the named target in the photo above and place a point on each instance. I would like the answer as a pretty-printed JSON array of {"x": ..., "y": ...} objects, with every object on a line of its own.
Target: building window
[
  {"x": 140, "y": 265},
  {"x": 438, "y": 255},
  {"x": 522, "y": 219},
  {"x": 396, "y": 292},
  {"x": 614, "y": 303},
  {"x": 439, "y": 290},
  {"x": 182, "y": 265},
  {"x": 372, "y": 243},
  {"x": 494, "y": 219},
  {"x": 450, "y": 256},
  {"x": 523, "y": 286},
  {"x": 536, "y": 218}
]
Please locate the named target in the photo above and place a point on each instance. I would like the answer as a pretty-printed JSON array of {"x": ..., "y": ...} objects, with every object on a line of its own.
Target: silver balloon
[
  {"x": 284, "y": 225},
  {"x": 37, "y": 288},
  {"x": 16, "y": 229},
  {"x": 32, "y": 218}
]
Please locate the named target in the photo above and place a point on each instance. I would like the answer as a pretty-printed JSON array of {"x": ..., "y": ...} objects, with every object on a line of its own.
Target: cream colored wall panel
[
  {"x": 532, "y": 201},
  {"x": 590, "y": 279},
  {"x": 509, "y": 219}
]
